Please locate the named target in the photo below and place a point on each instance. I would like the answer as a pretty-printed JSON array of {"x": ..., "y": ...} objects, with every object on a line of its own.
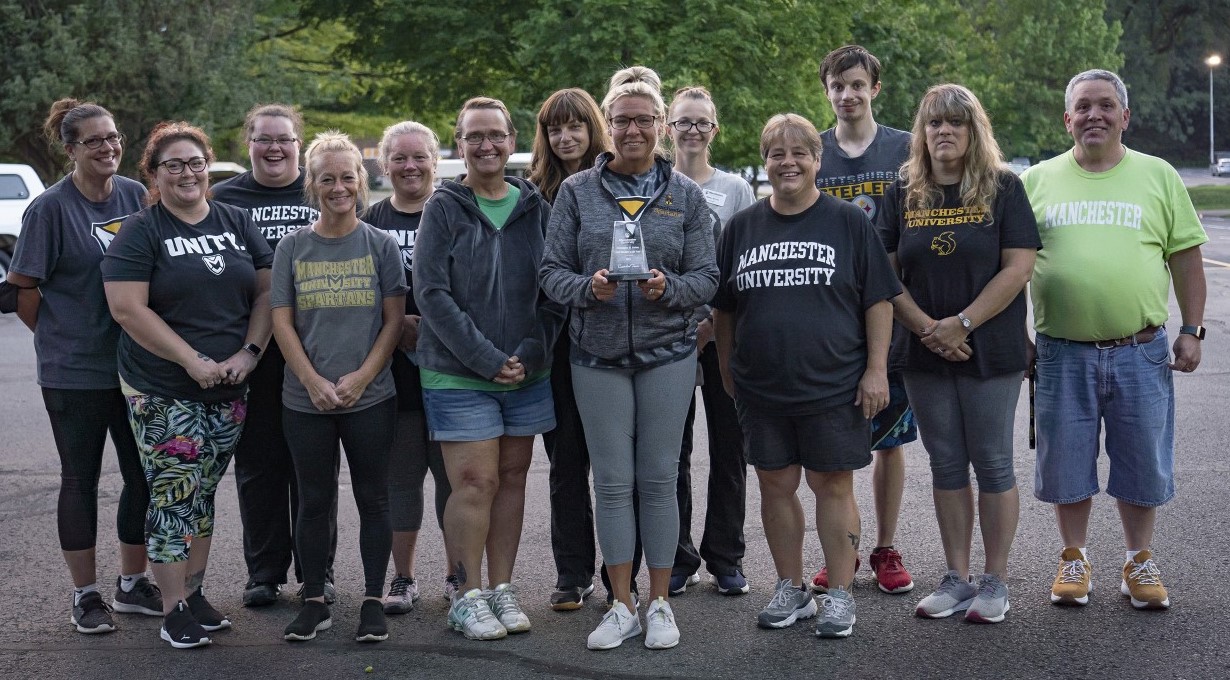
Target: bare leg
[
  {"x": 82, "y": 566},
  {"x": 887, "y": 487},
  {"x": 198, "y": 559},
  {"x": 403, "y": 552},
  {"x": 1073, "y": 521},
  {"x": 954, "y": 510},
  {"x": 473, "y": 472},
  {"x": 621, "y": 582},
  {"x": 837, "y": 523},
  {"x": 171, "y": 580},
  {"x": 781, "y": 514},
  {"x": 132, "y": 558},
  {"x": 998, "y": 514},
  {"x": 508, "y": 508},
  {"x": 659, "y": 582},
  {"x": 1138, "y": 525}
]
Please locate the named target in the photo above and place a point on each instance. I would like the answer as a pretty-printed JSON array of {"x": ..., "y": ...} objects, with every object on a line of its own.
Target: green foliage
[{"x": 1210, "y": 196}]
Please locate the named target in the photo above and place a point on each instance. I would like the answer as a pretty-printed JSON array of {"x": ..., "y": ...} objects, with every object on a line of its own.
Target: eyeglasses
[
  {"x": 270, "y": 141},
  {"x": 113, "y": 139},
  {"x": 176, "y": 166},
  {"x": 622, "y": 122},
  {"x": 475, "y": 138},
  {"x": 701, "y": 126}
]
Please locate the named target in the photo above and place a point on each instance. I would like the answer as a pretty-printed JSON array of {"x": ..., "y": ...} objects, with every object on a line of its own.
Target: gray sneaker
[
  {"x": 991, "y": 603},
  {"x": 92, "y": 615},
  {"x": 953, "y": 595},
  {"x": 789, "y": 604},
  {"x": 836, "y": 614}
]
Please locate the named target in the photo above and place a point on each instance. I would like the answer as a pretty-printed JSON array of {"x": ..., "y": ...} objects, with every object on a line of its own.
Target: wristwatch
[
  {"x": 969, "y": 325},
  {"x": 1197, "y": 331},
  {"x": 253, "y": 349}
]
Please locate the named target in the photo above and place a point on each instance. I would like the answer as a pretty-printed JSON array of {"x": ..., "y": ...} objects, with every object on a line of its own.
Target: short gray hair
[{"x": 1096, "y": 74}]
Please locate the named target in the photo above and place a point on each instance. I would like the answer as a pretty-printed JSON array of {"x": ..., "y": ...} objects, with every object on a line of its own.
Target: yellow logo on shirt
[{"x": 104, "y": 232}]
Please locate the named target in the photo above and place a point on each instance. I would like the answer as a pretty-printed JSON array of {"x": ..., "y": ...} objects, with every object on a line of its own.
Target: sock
[
  {"x": 1131, "y": 555},
  {"x": 79, "y": 592},
  {"x": 129, "y": 581},
  {"x": 878, "y": 548},
  {"x": 1084, "y": 554}
]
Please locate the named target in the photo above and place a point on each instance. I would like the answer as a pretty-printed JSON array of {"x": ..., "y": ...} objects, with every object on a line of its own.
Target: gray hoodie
[
  {"x": 629, "y": 330},
  {"x": 477, "y": 286}
]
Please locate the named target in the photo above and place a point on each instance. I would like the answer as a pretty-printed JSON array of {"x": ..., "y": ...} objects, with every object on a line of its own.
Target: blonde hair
[
  {"x": 483, "y": 103},
  {"x": 406, "y": 127},
  {"x": 792, "y": 129},
  {"x": 697, "y": 93},
  {"x": 639, "y": 81},
  {"x": 331, "y": 141},
  {"x": 984, "y": 162}
]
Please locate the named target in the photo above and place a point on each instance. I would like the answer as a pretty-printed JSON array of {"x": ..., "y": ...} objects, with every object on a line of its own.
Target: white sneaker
[
  {"x": 617, "y": 625},
  {"x": 662, "y": 633},
  {"x": 503, "y": 602},
  {"x": 471, "y": 616}
]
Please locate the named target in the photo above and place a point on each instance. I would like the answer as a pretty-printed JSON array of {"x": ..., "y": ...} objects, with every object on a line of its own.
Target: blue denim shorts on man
[
  {"x": 475, "y": 415},
  {"x": 1131, "y": 389}
]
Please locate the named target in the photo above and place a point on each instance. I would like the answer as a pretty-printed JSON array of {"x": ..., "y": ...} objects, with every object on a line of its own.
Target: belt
[{"x": 1140, "y": 337}]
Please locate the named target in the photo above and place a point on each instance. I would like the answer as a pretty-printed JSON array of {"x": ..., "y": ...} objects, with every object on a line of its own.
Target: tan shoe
[
  {"x": 1142, "y": 581},
  {"x": 1073, "y": 583}
]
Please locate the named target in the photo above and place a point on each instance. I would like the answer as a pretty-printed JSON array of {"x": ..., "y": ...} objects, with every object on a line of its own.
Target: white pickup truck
[{"x": 19, "y": 184}]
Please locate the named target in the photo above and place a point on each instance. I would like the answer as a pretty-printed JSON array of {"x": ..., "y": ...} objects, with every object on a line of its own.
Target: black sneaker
[
  {"x": 372, "y": 627},
  {"x": 181, "y": 630},
  {"x": 91, "y": 615},
  {"x": 204, "y": 613},
  {"x": 260, "y": 594},
  {"x": 313, "y": 617},
  {"x": 144, "y": 598},
  {"x": 330, "y": 593},
  {"x": 568, "y": 598}
]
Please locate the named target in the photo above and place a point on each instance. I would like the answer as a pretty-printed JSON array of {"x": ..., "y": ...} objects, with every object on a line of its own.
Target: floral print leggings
[{"x": 185, "y": 447}]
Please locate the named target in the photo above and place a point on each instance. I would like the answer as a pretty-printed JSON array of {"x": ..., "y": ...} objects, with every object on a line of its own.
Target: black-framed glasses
[
  {"x": 113, "y": 139},
  {"x": 476, "y": 138},
  {"x": 176, "y": 166},
  {"x": 270, "y": 141},
  {"x": 642, "y": 122},
  {"x": 701, "y": 126}
]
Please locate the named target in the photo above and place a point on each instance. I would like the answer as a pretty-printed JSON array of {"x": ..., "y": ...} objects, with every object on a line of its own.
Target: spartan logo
[
  {"x": 335, "y": 283},
  {"x": 214, "y": 263},
  {"x": 407, "y": 257},
  {"x": 944, "y": 244},
  {"x": 104, "y": 232}
]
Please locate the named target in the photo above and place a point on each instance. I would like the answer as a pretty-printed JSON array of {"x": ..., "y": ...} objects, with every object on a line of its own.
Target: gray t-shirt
[
  {"x": 337, "y": 288},
  {"x": 727, "y": 194},
  {"x": 63, "y": 237}
]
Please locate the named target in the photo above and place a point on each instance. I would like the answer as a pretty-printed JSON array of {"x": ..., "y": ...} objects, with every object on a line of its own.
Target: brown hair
[
  {"x": 546, "y": 169},
  {"x": 65, "y": 118},
  {"x": 845, "y": 58},
  {"x": 792, "y": 128},
  {"x": 163, "y": 135},
  {"x": 984, "y": 162},
  {"x": 277, "y": 111},
  {"x": 332, "y": 141}
]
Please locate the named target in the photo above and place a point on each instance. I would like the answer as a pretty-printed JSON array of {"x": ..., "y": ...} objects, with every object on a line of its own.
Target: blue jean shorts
[
  {"x": 476, "y": 415},
  {"x": 1129, "y": 388}
]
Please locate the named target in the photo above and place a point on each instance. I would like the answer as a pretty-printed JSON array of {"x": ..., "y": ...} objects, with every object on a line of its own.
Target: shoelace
[
  {"x": 988, "y": 586},
  {"x": 781, "y": 596},
  {"x": 479, "y": 610},
  {"x": 1072, "y": 572},
  {"x": 399, "y": 587},
  {"x": 505, "y": 601},
  {"x": 146, "y": 588},
  {"x": 838, "y": 606},
  {"x": 662, "y": 613},
  {"x": 949, "y": 584},
  {"x": 613, "y": 619},
  {"x": 1146, "y": 574},
  {"x": 892, "y": 563}
]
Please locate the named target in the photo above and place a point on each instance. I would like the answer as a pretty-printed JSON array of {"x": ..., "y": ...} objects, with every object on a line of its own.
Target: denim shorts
[
  {"x": 834, "y": 440},
  {"x": 1129, "y": 388},
  {"x": 476, "y": 415}
]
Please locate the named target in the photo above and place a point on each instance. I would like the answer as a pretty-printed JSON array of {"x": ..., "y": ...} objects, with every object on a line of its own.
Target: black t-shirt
[
  {"x": 864, "y": 179},
  {"x": 947, "y": 255},
  {"x": 202, "y": 278},
  {"x": 277, "y": 211},
  {"x": 799, "y": 287},
  {"x": 404, "y": 227}
]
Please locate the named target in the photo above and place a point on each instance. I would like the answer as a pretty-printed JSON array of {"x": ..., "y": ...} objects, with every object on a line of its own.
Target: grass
[{"x": 1210, "y": 197}]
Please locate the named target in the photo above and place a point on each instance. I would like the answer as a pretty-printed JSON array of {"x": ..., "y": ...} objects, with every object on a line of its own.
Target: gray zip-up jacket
[
  {"x": 630, "y": 330},
  {"x": 477, "y": 286}
]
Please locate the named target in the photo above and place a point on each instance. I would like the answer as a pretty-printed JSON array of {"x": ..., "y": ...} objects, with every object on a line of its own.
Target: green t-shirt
[
  {"x": 1106, "y": 238},
  {"x": 499, "y": 210}
]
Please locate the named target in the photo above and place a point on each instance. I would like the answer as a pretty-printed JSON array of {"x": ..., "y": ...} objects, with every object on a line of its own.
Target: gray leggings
[
  {"x": 965, "y": 420},
  {"x": 633, "y": 422},
  {"x": 409, "y": 459}
]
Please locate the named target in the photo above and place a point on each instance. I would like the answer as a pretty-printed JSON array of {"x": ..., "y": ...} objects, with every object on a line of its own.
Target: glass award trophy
[{"x": 628, "y": 261}]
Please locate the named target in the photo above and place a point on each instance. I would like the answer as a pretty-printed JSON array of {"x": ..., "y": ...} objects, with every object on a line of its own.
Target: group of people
[{"x": 878, "y": 294}]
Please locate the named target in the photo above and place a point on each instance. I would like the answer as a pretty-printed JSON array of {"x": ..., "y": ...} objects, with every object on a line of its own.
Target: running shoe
[
  {"x": 313, "y": 617},
  {"x": 91, "y": 615},
  {"x": 660, "y": 629},
  {"x": 403, "y": 592},
  {"x": 1074, "y": 580},
  {"x": 990, "y": 605},
  {"x": 471, "y": 615},
  {"x": 618, "y": 624},
  {"x": 1142, "y": 581},
  {"x": 144, "y": 598},
  {"x": 788, "y": 604},
  {"x": 837, "y": 614},
  {"x": 953, "y": 595},
  {"x": 891, "y": 575},
  {"x": 503, "y": 602}
]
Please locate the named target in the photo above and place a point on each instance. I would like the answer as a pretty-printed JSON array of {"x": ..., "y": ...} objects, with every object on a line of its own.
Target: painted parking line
[{"x": 1219, "y": 263}]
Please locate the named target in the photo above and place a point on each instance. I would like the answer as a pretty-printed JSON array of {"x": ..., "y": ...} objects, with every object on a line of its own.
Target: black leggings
[
  {"x": 80, "y": 420},
  {"x": 367, "y": 436}
]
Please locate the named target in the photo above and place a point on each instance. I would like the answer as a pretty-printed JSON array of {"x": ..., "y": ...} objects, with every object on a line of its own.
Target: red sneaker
[
  {"x": 890, "y": 574},
  {"x": 820, "y": 582}
]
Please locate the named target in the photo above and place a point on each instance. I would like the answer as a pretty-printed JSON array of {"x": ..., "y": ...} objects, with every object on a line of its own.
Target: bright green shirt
[
  {"x": 435, "y": 380},
  {"x": 498, "y": 211},
  {"x": 1106, "y": 238}
]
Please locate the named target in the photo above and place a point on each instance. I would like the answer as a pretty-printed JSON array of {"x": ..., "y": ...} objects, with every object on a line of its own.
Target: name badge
[{"x": 715, "y": 198}]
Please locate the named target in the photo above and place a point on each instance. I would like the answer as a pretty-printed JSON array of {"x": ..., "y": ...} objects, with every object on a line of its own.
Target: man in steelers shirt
[
  {"x": 860, "y": 159},
  {"x": 264, "y": 475}
]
